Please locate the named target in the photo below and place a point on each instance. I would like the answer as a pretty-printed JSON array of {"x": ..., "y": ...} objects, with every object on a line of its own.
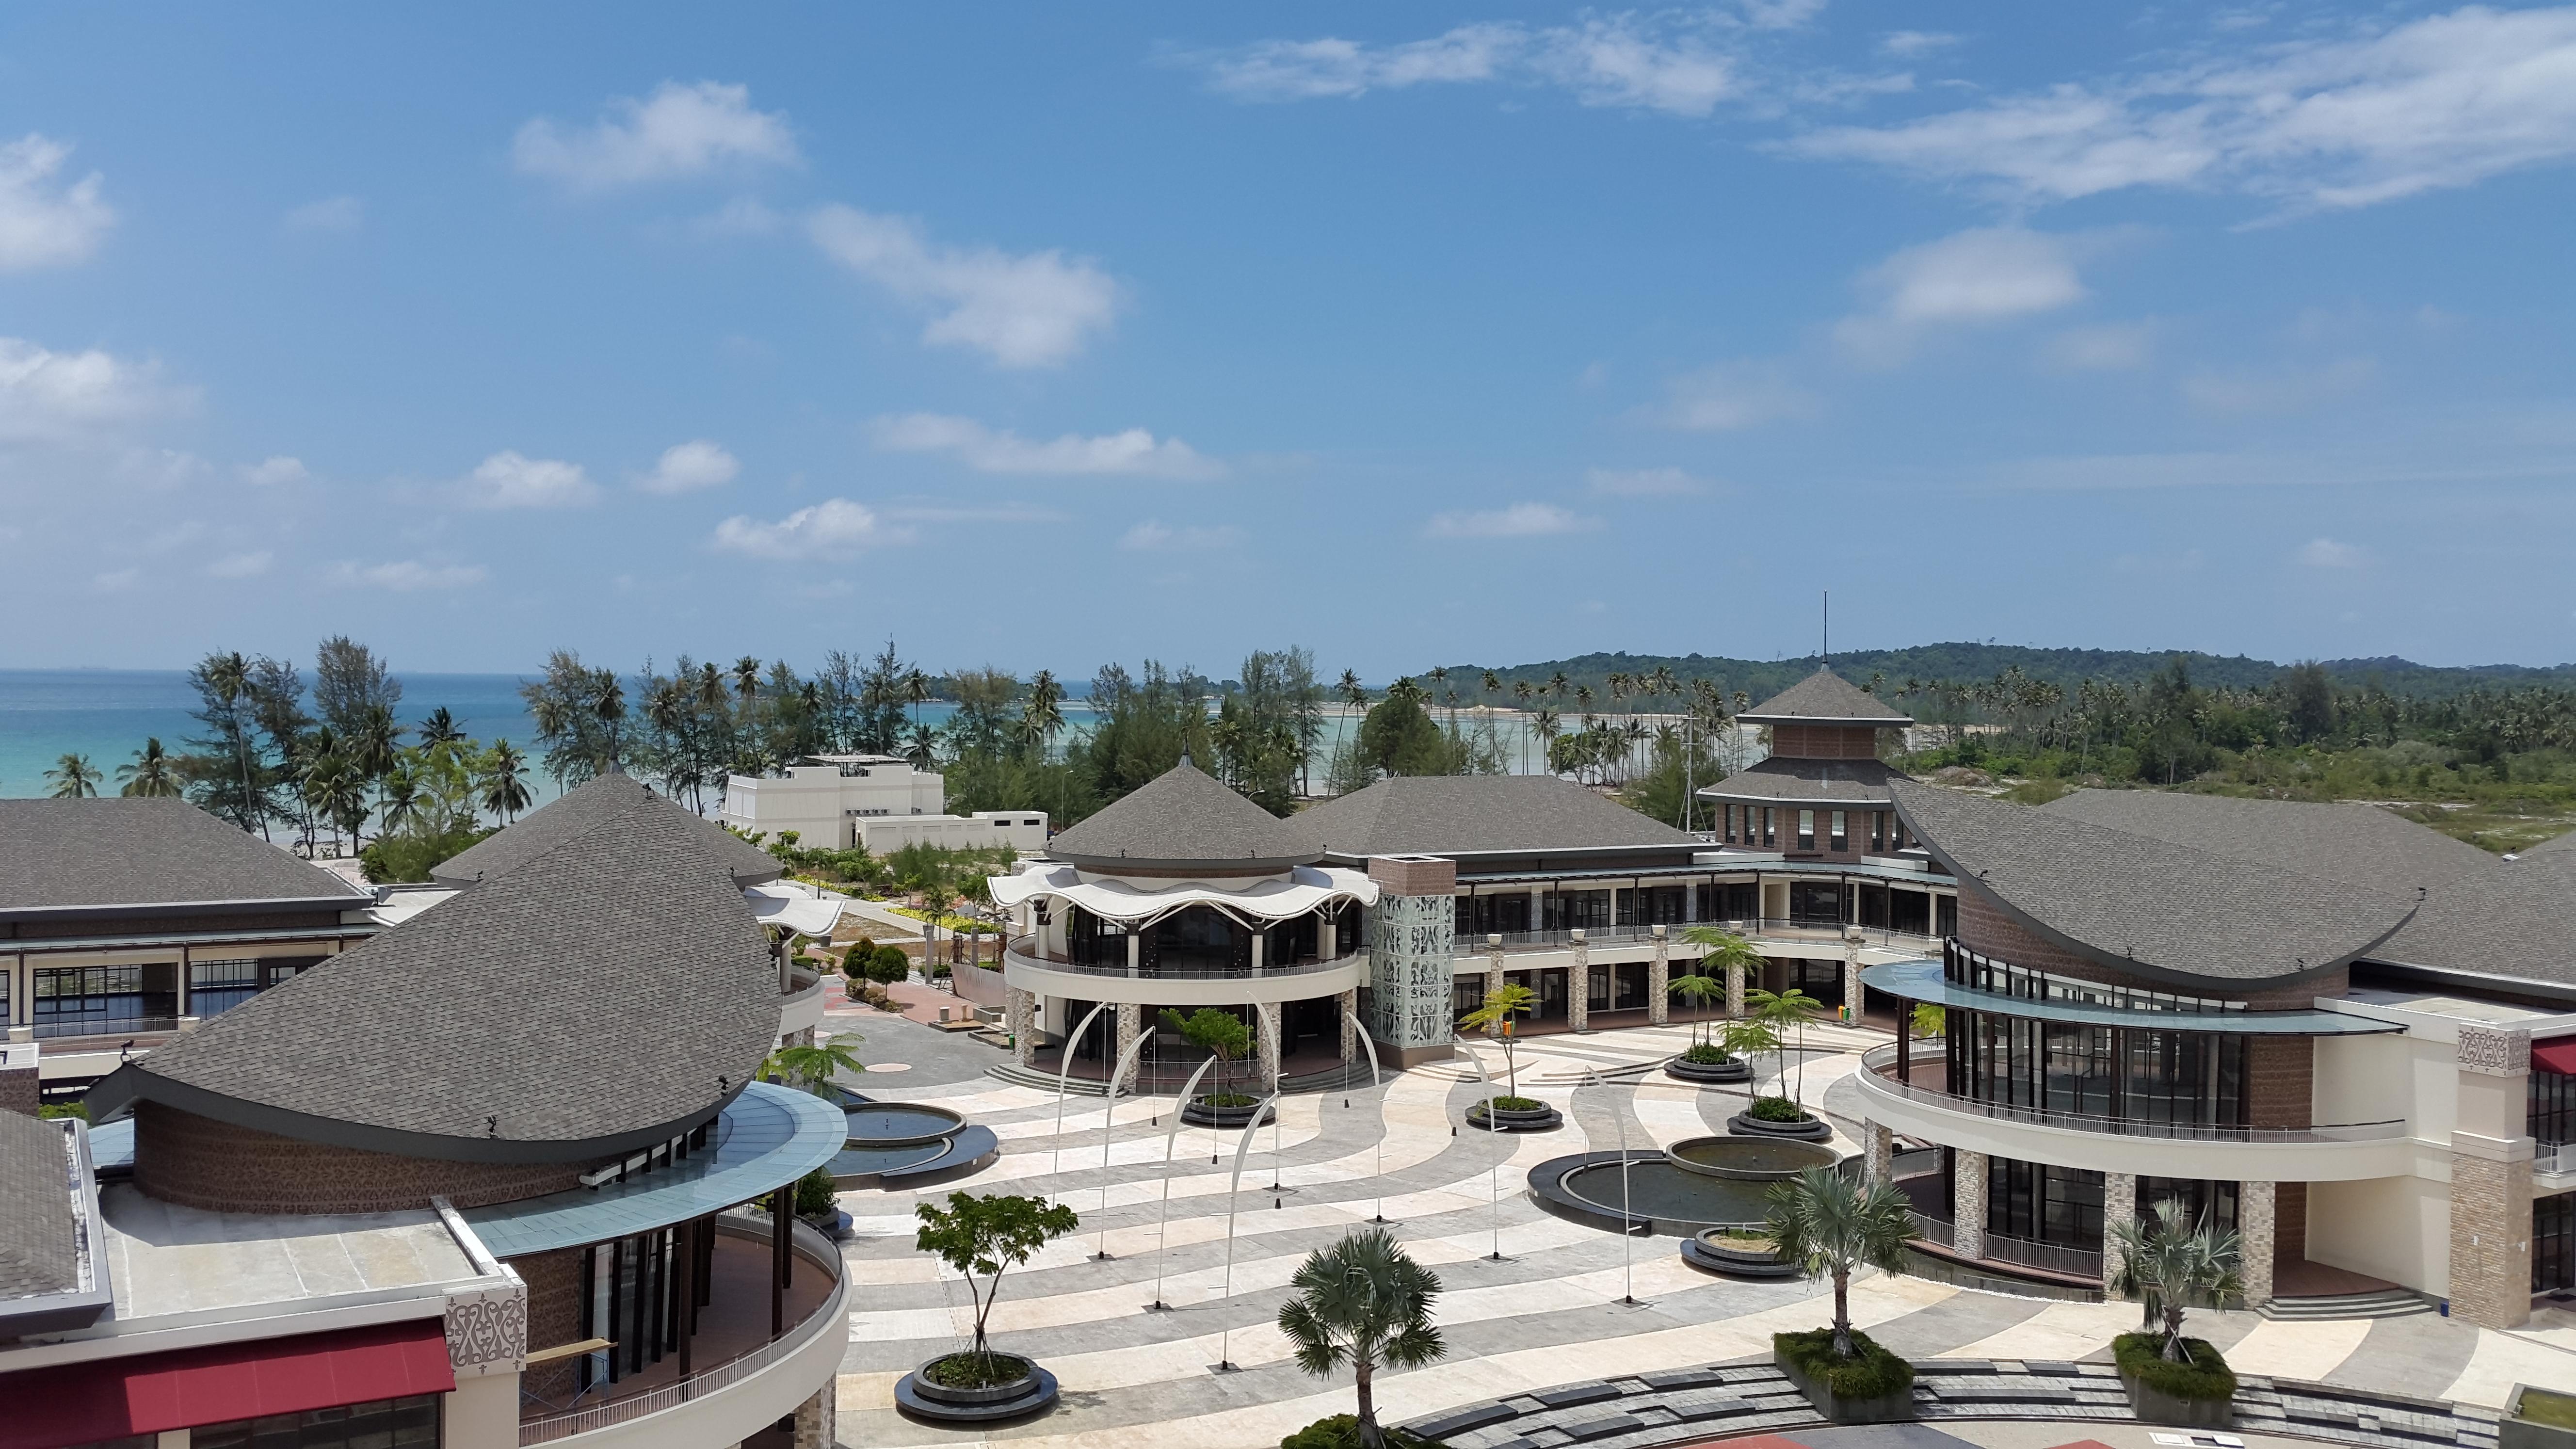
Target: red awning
[
  {"x": 113, "y": 1398},
  {"x": 2555, "y": 1056}
]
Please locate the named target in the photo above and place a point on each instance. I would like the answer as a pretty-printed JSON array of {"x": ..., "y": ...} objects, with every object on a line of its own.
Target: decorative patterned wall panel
[{"x": 1410, "y": 941}]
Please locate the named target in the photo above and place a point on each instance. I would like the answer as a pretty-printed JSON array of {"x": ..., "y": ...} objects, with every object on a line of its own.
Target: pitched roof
[
  {"x": 2358, "y": 844},
  {"x": 1178, "y": 820},
  {"x": 2137, "y": 902},
  {"x": 2519, "y": 920},
  {"x": 476, "y": 1031},
  {"x": 1808, "y": 782},
  {"x": 586, "y": 807},
  {"x": 2555, "y": 845},
  {"x": 1475, "y": 814},
  {"x": 39, "y": 1245},
  {"x": 120, "y": 851},
  {"x": 1824, "y": 697}
]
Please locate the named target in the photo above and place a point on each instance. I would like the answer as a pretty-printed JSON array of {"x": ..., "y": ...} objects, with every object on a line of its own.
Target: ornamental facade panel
[{"x": 1411, "y": 941}]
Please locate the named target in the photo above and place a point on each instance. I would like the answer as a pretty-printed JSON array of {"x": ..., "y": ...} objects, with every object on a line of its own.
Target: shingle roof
[
  {"x": 1179, "y": 819},
  {"x": 1824, "y": 697},
  {"x": 2134, "y": 900},
  {"x": 39, "y": 1249},
  {"x": 2516, "y": 920},
  {"x": 1473, "y": 814},
  {"x": 1808, "y": 782},
  {"x": 577, "y": 1004},
  {"x": 120, "y": 851},
  {"x": 585, "y": 807},
  {"x": 2555, "y": 845},
  {"x": 2360, "y": 845}
]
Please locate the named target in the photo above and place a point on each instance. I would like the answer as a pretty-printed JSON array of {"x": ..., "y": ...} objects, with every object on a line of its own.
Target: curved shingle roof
[
  {"x": 2359, "y": 844},
  {"x": 2135, "y": 902},
  {"x": 121, "y": 851},
  {"x": 1181, "y": 820},
  {"x": 604, "y": 994},
  {"x": 1472, "y": 814},
  {"x": 583, "y": 808},
  {"x": 1825, "y": 697}
]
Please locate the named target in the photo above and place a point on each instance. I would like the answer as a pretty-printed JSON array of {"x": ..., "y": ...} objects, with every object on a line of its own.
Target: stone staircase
[{"x": 2384, "y": 1303}]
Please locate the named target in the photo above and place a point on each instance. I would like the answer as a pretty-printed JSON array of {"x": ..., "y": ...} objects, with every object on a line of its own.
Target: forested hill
[{"x": 1963, "y": 662}]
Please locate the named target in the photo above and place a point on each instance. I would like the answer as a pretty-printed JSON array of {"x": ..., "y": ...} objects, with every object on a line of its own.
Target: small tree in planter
[
  {"x": 1699, "y": 991},
  {"x": 1783, "y": 1012},
  {"x": 1494, "y": 1018},
  {"x": 1363, "y": 1302},
  {"x": 1829, "y": 1226},
  {"x": 2168, "y": 1260},
  {"x": 1722, "y": 953},
  {"x": 1222, "y": 1035},
  {"x": 981, "y": 1237}
]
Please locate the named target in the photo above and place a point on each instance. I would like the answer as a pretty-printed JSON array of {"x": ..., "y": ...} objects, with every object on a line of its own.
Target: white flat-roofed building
[
  {"x": 1022, "y": 830},
  {"x": 824, "y": 798}
]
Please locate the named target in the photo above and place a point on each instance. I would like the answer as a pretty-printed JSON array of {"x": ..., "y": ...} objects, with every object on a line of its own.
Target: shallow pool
[
  {"x": 890, "y": 1124},
  {"x": 1657, "y": 1189}
]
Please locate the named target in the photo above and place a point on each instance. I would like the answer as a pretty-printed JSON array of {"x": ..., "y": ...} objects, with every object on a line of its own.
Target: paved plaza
[{"x": 1548, "y": 1313}]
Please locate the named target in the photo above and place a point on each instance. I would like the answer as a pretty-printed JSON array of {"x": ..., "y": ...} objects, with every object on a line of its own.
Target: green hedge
[
  {"x": 1510, "y": 1104},
  {"x": 2205, "y": 1378},
  {"x": 1874, "y": 1373},
  {"x": 1776, "y": 1109},
  {"x": 1342, "y": 1431}
]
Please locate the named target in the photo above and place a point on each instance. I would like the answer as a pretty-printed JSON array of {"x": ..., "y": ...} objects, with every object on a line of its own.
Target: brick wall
[
  {"x": 2280, "y": 1080},
  {"x": 20, "y": 1091},
  {"x": 2490, "y": 1240},
  {"x": 1824, "y": 742},
  {"x": 554, "y": 1317},
  {"x": 1409, "y": 875},
  {"x": 201, "y": 1163}
]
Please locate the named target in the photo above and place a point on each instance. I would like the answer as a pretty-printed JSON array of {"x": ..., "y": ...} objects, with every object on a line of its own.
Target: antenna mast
[{"x": 1829, "y": 628}]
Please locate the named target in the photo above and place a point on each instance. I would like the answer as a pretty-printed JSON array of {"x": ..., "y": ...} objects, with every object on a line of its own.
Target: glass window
[
  {"x": 1806, "y": 830},
  {"x": 2553, "y": 1107},
  {"x": 91, "y": 1000},
  {"x": 2044, "y": 1203},
  {"x": 2201, "y": 1200},
  {"x": 1839, "y": 839},
  {"x": 1878, "y": 830},
  {"x": 2553, "y": 1243},
  {"x": 410, "y": 1423},
  {"x": 1769, "y": 835}
]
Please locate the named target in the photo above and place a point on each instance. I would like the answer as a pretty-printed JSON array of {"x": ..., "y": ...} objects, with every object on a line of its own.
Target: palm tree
[
  {"x": 440, "y": 728},
  {"x": 916, "y": 693},
  {"x": 1829, "y": 1225},
  {"x": 1492, "y": 684},
  {"x": 1544, "y": 724},
  {"x": 1494, "y": 1018},
  {"x": 1355, "y": 695},
  {"x": 73, "y": 778},
  {"x": 746, "y": 677},
  {"x": 2171, "y": 1260},
  {"x": 1363, "y": 1302},
  {"x": 1698, "y": 990},
  {"x": 333, "y": 787},
  {"x": 610, "y": 705},
  {"x": 377, "y": 749},
  {"x": 397, "y": 798},
  {"x": 1438, "y": 677},
  {"x": 1782, "y": 1011},
  {"x": 1042, "y": 716},
  {"x": 229, "y": 676},
  {"x": 152, "y": 773},
  {"x": 811, "y": 1068},
  {"x": 504, "y": 781}
]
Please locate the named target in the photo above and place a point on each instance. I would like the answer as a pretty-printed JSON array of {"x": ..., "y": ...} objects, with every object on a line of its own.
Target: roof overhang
[
  {"x": 1846, "y": 721},
  {"x": 1305, "y": 888},
  {"x": 92, "y": 1294},
  {"x": 256, "y": 906}
]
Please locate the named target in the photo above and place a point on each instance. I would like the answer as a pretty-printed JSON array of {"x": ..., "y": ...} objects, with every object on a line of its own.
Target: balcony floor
[{"x": 734, "y": 1322}]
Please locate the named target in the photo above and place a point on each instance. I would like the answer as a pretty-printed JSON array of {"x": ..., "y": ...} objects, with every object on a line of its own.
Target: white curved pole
[
  {"x": 1493, "y": 1181},
  {"x": 1234, "y": 1183},
  {"x": 1108, "y": 1120},
  {"x": 1376, "y": 1084},
  {"x": 1063, "y": 1078},
  {"x": 1163, "y": 1229},
  {"x": 1627, "y": 1250}
]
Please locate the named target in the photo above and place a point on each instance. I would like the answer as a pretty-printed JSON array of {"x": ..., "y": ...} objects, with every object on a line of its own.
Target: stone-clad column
[
  {"x": 1578, "y": 986},
  {"x": 2119, "y": 1205},
  {"x": 1267, "y": 1013},
  {"x": 1131, "y": 1020},
  {"x": 1968, "y": 1195},
  {"x": 1022, "y": 1008},
  {"x": 1348, "y": 1005},
  {"x": 2491, "y": 1151},
  {"x": 1659, "y": 981},
  {"x": 814, "y": 1426},
  {"x": 1851, "y": 976},
  {"x": 1734, "y": 993},
  {"x": 2258, "y": 1236},
  {"x": 1493, "y": 962},
  {"x": 1882, "y": 1154}
]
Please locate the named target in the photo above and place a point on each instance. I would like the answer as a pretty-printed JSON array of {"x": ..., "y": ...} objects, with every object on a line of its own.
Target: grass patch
[
  {"x": 1227, "y": 1099},
  {"x": 1511, "y": 1104},
  {"x": 1871, "y": 1373},
  {"x": 2205, "y": 1379},
  {"x": 972, "y": 1370},
  {"x": 2546, "y": 1406},
  {"x": 1776, "y": 1109},
  {"x": 1704, "y": 1055},
  {"x": 1342, "y": 1431}
]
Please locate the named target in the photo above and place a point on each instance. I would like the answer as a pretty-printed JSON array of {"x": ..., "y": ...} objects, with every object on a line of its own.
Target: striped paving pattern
[{"x": 1547, "y": 1313}]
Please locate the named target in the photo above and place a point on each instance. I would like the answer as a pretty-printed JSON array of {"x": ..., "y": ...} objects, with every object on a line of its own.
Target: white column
[
  {"x": 1259, "y": 939},
  {"x": 1328, "y": 945},
  {"x": 1135, "y": 952}
]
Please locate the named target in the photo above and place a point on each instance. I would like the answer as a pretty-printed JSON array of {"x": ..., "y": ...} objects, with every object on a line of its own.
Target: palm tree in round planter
[
  {"x": 2168, "y": 1259},
  {"x": 1366, "y": 1303},
  {"x": 1699, "y": 991},
  {"x": 980, "y": 1238},
  {"x": 1722, "y": 952},
  {"x": 1830, "y": 1226},
  {"x": 1493, "y": 1017}
]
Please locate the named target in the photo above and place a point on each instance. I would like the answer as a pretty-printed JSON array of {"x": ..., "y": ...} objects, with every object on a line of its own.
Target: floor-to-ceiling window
[
  {"x": 2553, "y": 1243},
  {"x": 2212, "y": 1203},
  {"x": 93, "y": 1000},
  {"x": 2177, "y": 1078},
  {"x": 2553, "y": 1107},
  {"x": 2044, "y": 1203},
  {"x": 1816, "y": 903}
]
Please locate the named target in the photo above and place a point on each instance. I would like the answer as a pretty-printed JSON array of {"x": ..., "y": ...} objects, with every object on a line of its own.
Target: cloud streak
[
  {"x": 1035, "y": 309},
  {"x": 1519, "y": 520},
  {"x": 510, "y": 480},
  {"x": 677, "y": 132},
  {"x": 836, "y": 528},
  {"x": 1134, "y": 453}
]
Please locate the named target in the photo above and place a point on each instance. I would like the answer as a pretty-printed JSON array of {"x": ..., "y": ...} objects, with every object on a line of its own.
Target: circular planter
[
  {"x": 1814, "y": 1129},
  {"x": 1200, "y": 1114},
  {"x": 1516, "y": 1119},
  {"x": 1032, "y": 1392},
  {"x": 1711, "y": 1253},
  {"x": 1706, "y": 1072}
]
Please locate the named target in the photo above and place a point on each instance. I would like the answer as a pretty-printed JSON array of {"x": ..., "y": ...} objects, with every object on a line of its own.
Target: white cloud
[
  {"x": 1780, "y": 14},
  {"x": 331, "y": 214},
  {"x": 1983, "y": 274},
  {"x": 1732, "y": 395},
  {"x": 834, "y": 528},
  {"x": 1909, "y": 43},
  {"x": 44, "y": 223},
  {"x": 678, "y": 131},
  {"x": 1643, "y": 482},
  {"x": 59, "y": 397},
  {"x": 508, "y": 480},
  {"x": 2327, "y": 553},
  {"x": 1038, "y": 309},
  {"x": 1295, "y": 70},
  {"x": 687, "y": 467},
  {"x": 1134, "y": 453},
  {"x": 2109, "y": 347},
  {"x": 404, "y": 576},
  {"x": 275, "y": 471},
  {"x": 997, "y": 513},
  {"x": 1153, "y": 536},
  {"x": 742, "y": 216},
  {"x": 1520, "y": 520},
  {"x": 116, "y": 581},
  {"x": 2279, "y": 390},
  {"x": 241, "y": 565},
  {"x": 2447, "y": 100},
  {"x": 1613, "y": 62}
]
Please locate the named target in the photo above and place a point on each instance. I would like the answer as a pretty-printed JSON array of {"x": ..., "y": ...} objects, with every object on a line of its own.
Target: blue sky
[{"x": 1044, "y": 336}]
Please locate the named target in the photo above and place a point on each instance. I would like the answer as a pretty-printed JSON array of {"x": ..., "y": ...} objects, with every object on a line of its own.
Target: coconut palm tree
[
  {"x": 1492, "y": 684},
  {"x": 1366, "y": 1303},
  {"x": 1829, "y": 1225},
  {"x": 440, "y": 728},
  {"x": 377, "y": 748},
  {"x": 2172, "y": 1260},
  {"x": 228, "y": 675},
  {"x": 504, "y": 781},
  {"x": 1043, "y": 715},
  {"x": 916, "y": 693},
  {"x": 1544, "y": 724},
  {"x": 73, "y": 778},
  {"x": 609, "y": 704},
  {"x": 746, "y": 677},
  {"x": 153, "y": 772}
]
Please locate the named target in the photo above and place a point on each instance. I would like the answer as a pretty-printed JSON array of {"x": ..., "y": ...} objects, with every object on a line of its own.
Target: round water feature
[
  {"x": 896, "y": 1142},
  {"x": 1664, "y": 1196},
  {"x": 1749, "y": 1159},
  {"x": 900, "y": 1124}
]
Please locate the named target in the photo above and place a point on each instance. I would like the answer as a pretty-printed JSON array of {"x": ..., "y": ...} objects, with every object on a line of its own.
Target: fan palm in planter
[
  {"x": 2169, "y": 1259},
  {"x": 1830, "y": 1226},
  {"x": 1366, "y": 1303}
]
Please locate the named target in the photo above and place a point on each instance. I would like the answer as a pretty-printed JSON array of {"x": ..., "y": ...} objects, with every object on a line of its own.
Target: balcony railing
[
  {"x": 2047, "y": 1257},
  {"x": 834, "y": 1310},
  {"x": 1025, "y": 949},
  {"x": 1931, "y": 1229},
  {"x": 99, "y": 1026},
  {"x": 2554, "y": 1157},
  {"x": 1470, "y": 943},
  {"x": 1879, "y": 1074}
]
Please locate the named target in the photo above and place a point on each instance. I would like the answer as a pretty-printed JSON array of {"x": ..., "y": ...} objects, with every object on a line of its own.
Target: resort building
[
  {"x": 2348, "y": 1037},
  {"x": 121, "y": 920},
  {"x": 485, "y": 1180}
]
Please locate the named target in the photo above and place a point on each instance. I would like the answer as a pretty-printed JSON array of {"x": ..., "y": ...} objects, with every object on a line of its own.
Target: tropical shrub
[
  {"x": 2203, "y": 1377},
  {"x": 814, "y": 1194},
  {"x": 1702, "y": 1054},
  {"x": 1870, "y": 1373},
  {"x": 1776, "y": 1109}
]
